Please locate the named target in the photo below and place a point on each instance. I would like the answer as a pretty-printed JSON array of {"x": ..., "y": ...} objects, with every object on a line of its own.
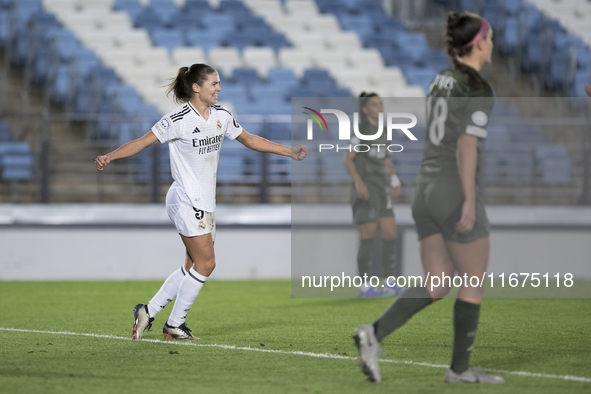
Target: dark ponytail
[
  {"x": 181, "y": 87},
  {"x": 461, "y": 29},
  {"x": 363, "y": 100}
]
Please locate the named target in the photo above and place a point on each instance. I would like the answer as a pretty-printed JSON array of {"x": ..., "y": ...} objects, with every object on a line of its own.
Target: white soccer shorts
[{"x": 188, "y": 220}]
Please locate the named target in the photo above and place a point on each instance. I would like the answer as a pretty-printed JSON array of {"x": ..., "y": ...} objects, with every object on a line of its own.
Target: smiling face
[{"x": 208, "y": 91}]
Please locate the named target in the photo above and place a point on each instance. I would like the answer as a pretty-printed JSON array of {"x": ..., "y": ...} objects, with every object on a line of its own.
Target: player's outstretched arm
[
  {"x": 260, "y": 144},
  {"x": 126, "y": 150}
]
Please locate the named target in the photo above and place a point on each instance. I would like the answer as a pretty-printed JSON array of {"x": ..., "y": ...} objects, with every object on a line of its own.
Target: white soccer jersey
[{"x": 195, "y": 148}]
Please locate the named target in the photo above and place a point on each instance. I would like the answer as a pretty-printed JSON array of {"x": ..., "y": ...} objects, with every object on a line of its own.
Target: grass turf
[{"x": 549, "y": 336}]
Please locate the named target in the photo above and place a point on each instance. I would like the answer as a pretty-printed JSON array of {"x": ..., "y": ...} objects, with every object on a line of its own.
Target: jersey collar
[{"x": 197, "y": 112}]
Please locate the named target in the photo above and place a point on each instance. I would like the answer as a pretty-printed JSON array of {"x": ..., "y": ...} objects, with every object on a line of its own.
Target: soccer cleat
[
  {"x": 180, "y": 332},
  {"x": 372, "y": 292},
  {"x": 141, "y": 321},
  {"x": 391, "y": 291},
  {"x": 369, "y": 349},
  {"x": 471, "y": 375}
]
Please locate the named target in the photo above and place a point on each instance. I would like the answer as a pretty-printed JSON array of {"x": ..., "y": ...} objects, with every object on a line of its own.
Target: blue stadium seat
[
  {"x": 532, "y": 59},
  {"x": 220, "y": 23},
  {"x": 4, "y": 28},
  {"x": 436, "y": 60},
  {"x": 374, "y": 9},
  {"x": 275, "y": 41},
  {"x": 234, "y": 92},
  {"x": 133, "y": 8},
  {"x": 185, "y": 20},
  {"x": 316, "y": 75},
  {"x": 420, "y": 76},
  {"x": 166, "y": 9},
  {"x": 61, "y": 86},
  {"x": 414, "y": 44},
  {"x": 204, "y": 39},
  {"x": 275, "y": 91},
  {"x": 238, "y": 40},
  {"x": 5, "y": 133},
  {"x": 234, "y": 7},
  {"x": 361, "y": 24},
  {"x": 168, "y": 38},
  {"x": 333, "y": 6},
  {"x": 282, "y": 77},
  {"x": 510, "y": 37},
  {"x": 252, "y": 127},
  {"x": 149, "y": 19},
  {"x": 379, "y": 40},
  {"x": 200, "y": 6},
  {"x": 276, "y": 131},
  {"x": 14, "y": 148},
  {"x": 247, "y": 21},
  {"x": 246, "y": 76}
]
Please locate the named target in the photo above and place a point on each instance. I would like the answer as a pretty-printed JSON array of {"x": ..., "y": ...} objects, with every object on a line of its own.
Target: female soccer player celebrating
[
  {"x": 194, "y": 131},
  {"x": 371, "y": 195},
  {"x": 447, "y": 204}
]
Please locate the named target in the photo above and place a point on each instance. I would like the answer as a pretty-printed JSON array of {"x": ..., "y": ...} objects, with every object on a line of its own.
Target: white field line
[{"x": 299, "y": 353}]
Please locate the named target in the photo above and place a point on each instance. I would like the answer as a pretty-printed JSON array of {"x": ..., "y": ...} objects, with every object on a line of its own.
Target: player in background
[
  {"x": 447, "y": 204},
  {"x": 194, "y": 132},
  {"x": 374, "y": 184},
  {"x": 588, "y": 90}
]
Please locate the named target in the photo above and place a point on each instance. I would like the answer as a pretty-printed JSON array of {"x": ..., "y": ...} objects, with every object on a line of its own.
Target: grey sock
[
  {"x": 466, "y": 317},
  {"x": 407, "y": 304}
]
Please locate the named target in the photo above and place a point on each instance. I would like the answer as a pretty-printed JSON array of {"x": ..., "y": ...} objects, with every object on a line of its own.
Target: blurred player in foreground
[
  {"x": 447, "y": 204},
  {"x": 194, "y": 132},
  {"x": 374, "y": 184}
]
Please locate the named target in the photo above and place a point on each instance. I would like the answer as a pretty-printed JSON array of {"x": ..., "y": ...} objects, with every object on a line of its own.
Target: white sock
[
  {"x": 188, "y": 291},
  {"x": 167, "y": 292}
]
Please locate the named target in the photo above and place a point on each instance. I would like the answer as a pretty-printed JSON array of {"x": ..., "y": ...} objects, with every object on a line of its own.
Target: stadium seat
[
  {"x": 185, "y": 56},
  {"x": 204, "y": 39},
  {"x": 225, "y": 58},
  {"x": 198, "y": 6},
  {"x": 166, "y": 9},
  {"x": 246, "y": 76},
  {"x": 282, "y": 77}
]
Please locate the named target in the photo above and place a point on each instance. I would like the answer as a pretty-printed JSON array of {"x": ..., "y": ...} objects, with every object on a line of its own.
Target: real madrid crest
[
  {"x": 201, "y": 225},
  {"x": 219, "y": 125}
]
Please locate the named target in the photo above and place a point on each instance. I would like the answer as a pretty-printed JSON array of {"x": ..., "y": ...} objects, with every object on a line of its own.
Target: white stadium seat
[
  {"x": 327, "y": 24},
  {"x": 259, "y": 58},
  {"x": 326, "y": 59},
  {"x": 390, "y": 75},
  {"x": 301, "y": 7},
  {"x": 369, "y": 58},
  {"x": 185, "y": 56},
  {"x": 225, "y": 59},
  {"x": 344, "y": 41},
  {"x": 296, "y": 59}
]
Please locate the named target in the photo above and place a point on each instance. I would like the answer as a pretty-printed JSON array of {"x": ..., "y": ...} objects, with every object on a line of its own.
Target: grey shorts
[
  {"x": 437, "y": 208},
  {"x": 378, "y": 206}
]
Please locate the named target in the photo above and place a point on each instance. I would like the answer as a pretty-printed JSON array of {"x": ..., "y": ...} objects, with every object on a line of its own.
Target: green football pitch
[{"x": 256, "y": 338}]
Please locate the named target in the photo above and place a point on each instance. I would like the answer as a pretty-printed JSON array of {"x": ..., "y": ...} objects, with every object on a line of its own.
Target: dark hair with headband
[
  {"x": 463, "y": 31},
  {"x": 363, "y": 102},
  {"x": 182, "y": 86}
]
